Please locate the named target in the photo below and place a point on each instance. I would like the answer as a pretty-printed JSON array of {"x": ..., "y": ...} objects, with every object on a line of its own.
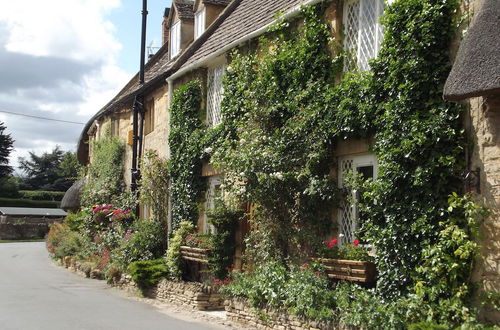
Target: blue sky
[
  {"x": 66, "y": 59},
  {"x": 127, "y": 20}
]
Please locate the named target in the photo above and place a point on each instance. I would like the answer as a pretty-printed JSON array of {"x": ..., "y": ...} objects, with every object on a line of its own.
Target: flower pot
[{"x": 350, "y": 270}]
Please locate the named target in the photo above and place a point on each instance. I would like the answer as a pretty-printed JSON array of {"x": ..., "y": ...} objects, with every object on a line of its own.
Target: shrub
[
  {"x": 304, "y": 292},
  {"x": 174, "y": 260},
  {"x": 148, "y": 273},
  {"x": 76, "y": 220},
  {"x": 114, "y": 273},
  {"x": 145, "y": 243},
  {"x": 71, "y": 244},
  {"x": 40, "y": 195}
]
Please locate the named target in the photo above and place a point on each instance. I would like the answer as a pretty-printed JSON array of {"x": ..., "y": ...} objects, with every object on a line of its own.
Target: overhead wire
[{"x": 40, "y": 117}]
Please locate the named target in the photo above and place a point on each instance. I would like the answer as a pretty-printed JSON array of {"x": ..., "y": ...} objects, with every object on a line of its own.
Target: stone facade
[
  {"x": 238, "y": 310},
  {"x": 15, "y": 227}
]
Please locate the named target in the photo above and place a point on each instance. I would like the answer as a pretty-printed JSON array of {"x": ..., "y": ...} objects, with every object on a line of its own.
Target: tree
[
  {"x": 6, "y": 146},
  {"x": 54, "y": 171}
]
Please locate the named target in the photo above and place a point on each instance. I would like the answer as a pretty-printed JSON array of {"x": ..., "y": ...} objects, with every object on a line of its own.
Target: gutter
[{"x": 289, "y": 14}]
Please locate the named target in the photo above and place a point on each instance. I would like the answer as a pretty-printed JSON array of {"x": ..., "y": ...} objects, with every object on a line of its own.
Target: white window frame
[
  {"x": 359, "y": 49},
  {"x": 348, "y": 213},
  {"x": 210, "y": 200},
  {"x": 215, "y": 91},
  {"x": 199, "y": 23},
  {"x": 175, "y": 40}
]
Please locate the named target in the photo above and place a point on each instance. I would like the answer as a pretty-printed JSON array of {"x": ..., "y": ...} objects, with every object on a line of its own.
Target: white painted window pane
[
  {"x": 348, "y": 215},
  {"x": 199, "y": 23},
  {"x": 175, "y": 39},
  {"x": 362, "y": 32},
  {"x": 214, "y": 94}
]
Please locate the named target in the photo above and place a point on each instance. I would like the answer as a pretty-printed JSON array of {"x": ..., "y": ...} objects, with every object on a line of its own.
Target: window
[
  {"x": 212, "y": 198},
  {"x": 115, "y": 127},
  {"x": 149, "y": 117},
  {"x": 362, "y": 32},
  {"x": 175, "y": 40},
  {"x": 214, "y": 94},
  {"x": 349, "y": 217},
  {"x": 199, "y": 23}
]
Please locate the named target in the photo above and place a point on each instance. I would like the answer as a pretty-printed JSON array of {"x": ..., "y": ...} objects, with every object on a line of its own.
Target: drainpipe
[{"x": 139, "y": 104}]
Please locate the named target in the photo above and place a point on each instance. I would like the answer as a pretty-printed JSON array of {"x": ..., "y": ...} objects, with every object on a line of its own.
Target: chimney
[{"x": 164, "y": 24}]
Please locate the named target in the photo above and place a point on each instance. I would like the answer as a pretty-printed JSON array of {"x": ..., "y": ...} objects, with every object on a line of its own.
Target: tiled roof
[
  {"x": 184, "y": 9},
  {"x": 217, "y": 2},
  {"x": 248, "y": 16},
  {"x": 476, "y": 71},
  {"x": 32, "y": 211}
]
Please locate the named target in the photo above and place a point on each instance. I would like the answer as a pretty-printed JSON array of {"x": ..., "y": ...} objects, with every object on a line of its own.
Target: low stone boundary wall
[
  {"x": 23, "y": 231},
  {"x": 238, "y": 310},
  {"x": 190, "y": 294}
]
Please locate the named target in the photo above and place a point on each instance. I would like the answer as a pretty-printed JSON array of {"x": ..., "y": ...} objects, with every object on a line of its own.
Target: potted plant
[{"x": 350, "y": 262}]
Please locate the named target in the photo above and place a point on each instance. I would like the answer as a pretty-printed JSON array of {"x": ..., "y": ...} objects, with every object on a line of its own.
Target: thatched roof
[
  {"x": 71, "y": 199},
  {"x": 476, "y": 71}
]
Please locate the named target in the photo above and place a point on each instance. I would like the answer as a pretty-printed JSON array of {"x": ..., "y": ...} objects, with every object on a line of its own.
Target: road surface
[{"x": 37, "y": 294}]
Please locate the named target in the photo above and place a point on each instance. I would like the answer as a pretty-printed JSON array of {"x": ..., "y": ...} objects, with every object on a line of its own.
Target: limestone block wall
[
  {"x": 158, "y": 138},
  {"x": 483, "y": 124}
]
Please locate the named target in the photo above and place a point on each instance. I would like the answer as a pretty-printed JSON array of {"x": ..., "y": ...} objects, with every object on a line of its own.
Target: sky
[{"x": 65, "y": 59}]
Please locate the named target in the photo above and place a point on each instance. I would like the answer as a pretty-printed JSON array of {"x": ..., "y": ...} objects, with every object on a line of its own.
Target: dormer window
[
  {"x": 175, "y": 40},
  {"x": 363, "y": 32},
  {"x": 199, "y": 23}
]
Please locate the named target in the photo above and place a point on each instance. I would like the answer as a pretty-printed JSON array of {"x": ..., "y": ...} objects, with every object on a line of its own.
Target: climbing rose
[
  {"x": 332, "y": 242},
  {"x": 356, "y": 242}
]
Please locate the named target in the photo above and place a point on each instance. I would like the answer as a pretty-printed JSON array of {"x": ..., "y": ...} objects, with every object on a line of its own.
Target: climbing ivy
[{"x": 185, "y": 141}]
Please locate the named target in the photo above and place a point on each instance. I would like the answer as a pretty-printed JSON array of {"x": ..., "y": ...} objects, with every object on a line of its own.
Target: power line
[{"x": 44, "y": 118}]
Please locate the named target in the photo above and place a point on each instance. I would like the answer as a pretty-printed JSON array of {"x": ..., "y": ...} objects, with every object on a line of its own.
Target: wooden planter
[
  {"x": 194, "y": 254},
  {"x": 350, "y": 270}
]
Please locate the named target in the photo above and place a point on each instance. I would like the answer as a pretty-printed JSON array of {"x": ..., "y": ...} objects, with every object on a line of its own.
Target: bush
[
  {"x": 304, "y": 292},
  {"x": 76, "y": 220},
  {"x": 174, "y": 260},
  {"x": 62, "y": 241},
  {"x": 148, "y": 273},
  {"x": 145, "y": 243},
  {"x": 18, "y": 202},
  {"x": 40, "y": 195}
]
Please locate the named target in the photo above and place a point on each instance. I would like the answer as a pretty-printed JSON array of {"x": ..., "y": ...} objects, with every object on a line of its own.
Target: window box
[
  {"x": 195, "y": 254},
  {"x": 349, "y": 270}
]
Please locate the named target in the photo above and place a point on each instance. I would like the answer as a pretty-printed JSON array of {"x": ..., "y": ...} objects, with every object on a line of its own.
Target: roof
[
  {"x": 217, "y": 2},
  {"x": 32, "y": 211},
  {"x": 71, "y": 199},
  {"x": 184, "y": 9},
  {"x": 247, "y": 17},
  {"x": 476, "y": 71}
]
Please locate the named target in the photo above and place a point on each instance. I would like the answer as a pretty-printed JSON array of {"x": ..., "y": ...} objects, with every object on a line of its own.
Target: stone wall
[
  {"x": 238, "y": 310},
  {"x": 13, "y": 228}
]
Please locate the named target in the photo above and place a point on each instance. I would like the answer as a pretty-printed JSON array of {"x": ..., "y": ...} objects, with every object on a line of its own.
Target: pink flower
[
  {"x": 333, "y": 242},
  {"x": 325, "y": 242},
  {"x": 356, "y": 242},
  {"x": 115, "y": 212}
]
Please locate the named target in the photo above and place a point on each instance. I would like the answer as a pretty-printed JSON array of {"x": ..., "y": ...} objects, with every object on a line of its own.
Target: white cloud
[{"x": 58, "y": 59}]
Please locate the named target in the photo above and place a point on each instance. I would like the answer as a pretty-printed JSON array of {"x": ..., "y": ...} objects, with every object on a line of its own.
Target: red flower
[
  {"x": 356, "y": 242},
  {"x": 116, "y": 212},
  {"x": 333, "y": 242},
  {"x": 325, "y": 242}
]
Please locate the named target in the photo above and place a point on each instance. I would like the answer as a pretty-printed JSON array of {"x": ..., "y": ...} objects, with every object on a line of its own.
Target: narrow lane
[{"x": 36, "y": 294}]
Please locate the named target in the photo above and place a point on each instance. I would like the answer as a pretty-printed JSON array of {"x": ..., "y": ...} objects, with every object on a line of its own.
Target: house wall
[
  {"x": 482, "y": 123},
  {"x": 158, "y": 139}
]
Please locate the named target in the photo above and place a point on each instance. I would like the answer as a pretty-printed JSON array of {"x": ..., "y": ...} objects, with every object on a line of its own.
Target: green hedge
[
  {"x": 18, "y": 202},
  {"x": 40, "y": 195}
]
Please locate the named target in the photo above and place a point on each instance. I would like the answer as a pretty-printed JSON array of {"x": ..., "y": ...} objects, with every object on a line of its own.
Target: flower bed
[{"x": 349, "y": 270}]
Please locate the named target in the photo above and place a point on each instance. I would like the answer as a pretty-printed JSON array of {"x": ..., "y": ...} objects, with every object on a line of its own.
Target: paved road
[{"x": 37, "y": 294}]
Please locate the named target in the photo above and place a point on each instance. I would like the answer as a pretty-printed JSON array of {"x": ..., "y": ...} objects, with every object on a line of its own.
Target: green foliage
[
  {"x": 222, "y": 240},
  {"x": 62, "y": 241},
  {"x": 76, "y": 220},
  {"x": 40, "y": 195},
  {"x": 185, "y": 140},
  {"x": 354, "y": 251},
  {"x": 426, "y": 326},
  {"x": 9, "y": 186},
  {"x": 274, "y": 143},
  {"x": 173, "y": 258},
  {"x": 6, "y": 147},
  {"x": 17, "y": 202},
  {"x": 148, "y": 273},
  {"x": 154, "y": 185},
  {"x": 443, "y": 279},
  {"x": 55, "y": 171},
  {"x": 304, "y": 292},
  {"x": 105, "y": 174},
  {"x": 145, "y": 241}
]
